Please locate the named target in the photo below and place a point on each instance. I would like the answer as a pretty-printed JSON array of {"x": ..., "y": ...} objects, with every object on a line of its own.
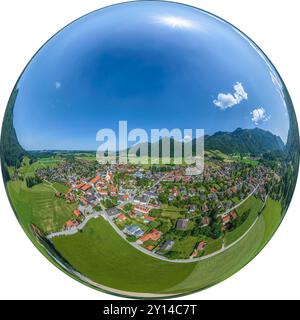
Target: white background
[{"x": 26, "y": 25}]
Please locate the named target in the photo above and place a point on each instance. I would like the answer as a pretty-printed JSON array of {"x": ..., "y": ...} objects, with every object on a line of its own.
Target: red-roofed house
[
  {"x": 71, "y": 224},
  {"x": 86, "y": 187},
  {"x": 113, "y": 190},
  {"x": 94, "y": 180},
  {"x": 226, "y": 219},
  {"x": 148, "y": 218},
  {"x": 80, "y": 185},
  {"x": 233, "y": 215},
  {"x": 121, "y": 217},
  {"x": 77, "y": 213},
  {"x": 153, "y": 235},
  {"x": 142, "y": 209}
]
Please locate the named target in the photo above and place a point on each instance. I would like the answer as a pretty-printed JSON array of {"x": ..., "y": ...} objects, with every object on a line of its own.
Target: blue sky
[{"x": 154, "y": 64}]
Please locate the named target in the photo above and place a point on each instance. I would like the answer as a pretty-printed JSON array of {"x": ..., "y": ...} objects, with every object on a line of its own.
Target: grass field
[
  {"x": 167, "y": 207},
  {"x": 252, "y": 204},
  {"x": 212, "y": 246},
  {"x": 101, "y": 254},
  {"x": 39, "y": 205},
  {"x": 249, "y": 204},
  {"x": 272, "y": 218},
  {"x": 235, "y": 200},
  {"x": 254, "y": 163},
  {"x": 171, "y": 212},
  {"x": 60, "y": 187},
  {"x": 185, "y": 247},
  {"x": 174, "y": 215},
  {"x": 220, "y": 155}
]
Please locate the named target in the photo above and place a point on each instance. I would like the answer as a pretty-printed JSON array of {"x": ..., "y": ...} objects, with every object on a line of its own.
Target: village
[{"x": 157, "y": 207}]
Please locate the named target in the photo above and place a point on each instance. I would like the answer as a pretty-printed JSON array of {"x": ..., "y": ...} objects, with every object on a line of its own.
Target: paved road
[
  {"x": 240, "y": 203},
  {"x": 69, "y": 232}
]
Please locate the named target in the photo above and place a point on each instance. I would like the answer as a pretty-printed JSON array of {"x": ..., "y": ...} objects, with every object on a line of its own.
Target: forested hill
[
  {"x": 254, "y": 141},
  {"x": 11, "y": 150}
]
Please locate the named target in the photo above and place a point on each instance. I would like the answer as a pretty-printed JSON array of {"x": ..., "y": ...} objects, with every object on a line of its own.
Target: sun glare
[{"x": 175, "y": 22}]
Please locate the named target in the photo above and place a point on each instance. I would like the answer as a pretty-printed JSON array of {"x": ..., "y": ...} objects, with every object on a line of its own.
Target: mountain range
[
  {"x": 244, "y": 141},
  {"x": 255, "y": 141}
]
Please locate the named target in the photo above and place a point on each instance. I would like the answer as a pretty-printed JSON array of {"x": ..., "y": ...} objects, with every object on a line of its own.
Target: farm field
[
  {"x": 119, "y": 265},
  {"x": 49, "y": 161},
  {"x": 38, "y": 205},
  {"x": 86, "y": 156}
]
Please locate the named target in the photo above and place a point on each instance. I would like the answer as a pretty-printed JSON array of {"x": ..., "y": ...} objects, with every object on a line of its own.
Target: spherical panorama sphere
[{"x": 150, "y": 149}]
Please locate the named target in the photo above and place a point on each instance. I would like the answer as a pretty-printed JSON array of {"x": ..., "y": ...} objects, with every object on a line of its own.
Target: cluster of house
[
  {"x": 140, "y": 211},
  {"x": 88, "y": 193},
  {"x": 218, "y": 187}
]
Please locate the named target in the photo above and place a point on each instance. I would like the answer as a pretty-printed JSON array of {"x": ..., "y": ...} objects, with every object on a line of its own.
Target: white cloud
[
  {"x": 259, "y": 115},
  {"x": 57, "y": 85},
  {"x": 228, "y": 100}
]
